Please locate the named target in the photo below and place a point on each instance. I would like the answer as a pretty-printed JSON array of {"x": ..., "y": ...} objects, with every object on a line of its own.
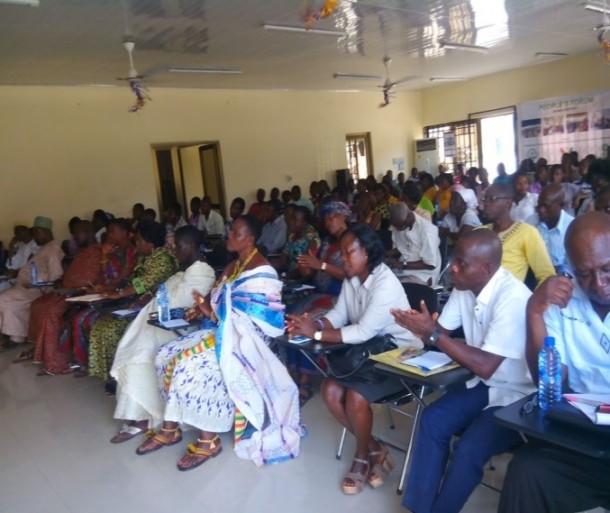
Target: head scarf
[{"x": 335, "y": 207}]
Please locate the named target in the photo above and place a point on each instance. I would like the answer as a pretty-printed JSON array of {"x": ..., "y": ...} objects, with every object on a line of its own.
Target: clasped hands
[{"x": 421, "y": 324}]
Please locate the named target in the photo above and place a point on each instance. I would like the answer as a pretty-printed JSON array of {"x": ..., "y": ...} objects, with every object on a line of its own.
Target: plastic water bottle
[
  {"x": 549, "y": 374},
  {"x": 163, "y": 303},
  {"x": 33, "y": 273}
]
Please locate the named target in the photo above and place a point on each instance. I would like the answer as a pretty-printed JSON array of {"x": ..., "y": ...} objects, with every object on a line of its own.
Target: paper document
[
  {"x": 175, "y": 323},
  {"x": 303, "y": 287},
  {"x": 126, "y": 312},
  {"x": 590, "y": 405},
  {"x": 299, "y": 339},
  {"x": 87, "y": 298},
  {"x": 428, "y": 361}
]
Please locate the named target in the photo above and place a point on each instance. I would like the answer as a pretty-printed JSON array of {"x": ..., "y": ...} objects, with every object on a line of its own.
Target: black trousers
[{"x": 545, "y": 478}]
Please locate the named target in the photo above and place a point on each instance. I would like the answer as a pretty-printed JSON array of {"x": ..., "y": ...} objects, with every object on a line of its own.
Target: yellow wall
[
  {"x": 453, "y": 102},
  {"x": 67, "y": 151}
]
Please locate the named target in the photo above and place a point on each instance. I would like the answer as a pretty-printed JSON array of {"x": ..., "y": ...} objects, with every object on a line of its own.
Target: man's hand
[
  {"x": 420, "y": 324},
  {"x": 556, "y": 290}
]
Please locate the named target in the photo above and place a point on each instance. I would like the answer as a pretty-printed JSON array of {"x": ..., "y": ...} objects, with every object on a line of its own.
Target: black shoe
[{"x": 110, "y": 388}]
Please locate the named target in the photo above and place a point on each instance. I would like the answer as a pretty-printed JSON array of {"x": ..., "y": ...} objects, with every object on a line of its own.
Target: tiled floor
[{"x": 55, "y": 458}]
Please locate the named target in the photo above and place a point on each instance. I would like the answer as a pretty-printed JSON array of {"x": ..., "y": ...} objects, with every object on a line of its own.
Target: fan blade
[
  {"x": 159, "y": 69},
  {"x": 407, "y": 78}
]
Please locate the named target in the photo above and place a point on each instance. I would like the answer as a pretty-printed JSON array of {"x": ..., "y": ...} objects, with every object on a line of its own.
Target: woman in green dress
[{"x": 157, "y": 264}]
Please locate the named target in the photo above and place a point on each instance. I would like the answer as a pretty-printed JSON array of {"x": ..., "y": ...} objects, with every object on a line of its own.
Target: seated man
[
  {"x": 15, "y": 302},
  {"x": 415, "y": 243},
  {"x": 21, "y": 247},
  {"x": 552, "y": 222},
  {"x": 210, "y": 222},
  {"x": 489, "y": 303},
  {"x": 544, "y": 477},
  {"x": 257, "y": 209},
  {"x": 522, "y": 245},
  {"x": 237, "y": 208},
  {"x": 274, "y": 230}
]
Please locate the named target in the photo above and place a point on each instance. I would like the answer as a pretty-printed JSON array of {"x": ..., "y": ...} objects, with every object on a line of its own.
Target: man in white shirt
[
  {"x": 210, "y": 221},
  {"x": 26, "y": 247},
  {"x": 489, "y": 303},
  {"x": 415, "y": 242},
  {"x": 544, "y": 477},
  {"x": 524, "y": 202},
  {"x": 274, "y": 231},
  {"x": 552, "y": 222}
]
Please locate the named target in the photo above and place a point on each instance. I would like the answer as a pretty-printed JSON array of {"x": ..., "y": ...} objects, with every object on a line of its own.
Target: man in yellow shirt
[
  {"x": 443, "y": 196},
  {"x": 522, "y": 245}
]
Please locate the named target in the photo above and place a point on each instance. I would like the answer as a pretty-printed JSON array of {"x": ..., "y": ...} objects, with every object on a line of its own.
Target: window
[
  {"x": 458, "y": 143},
  {"x": 359, "y": 155}
]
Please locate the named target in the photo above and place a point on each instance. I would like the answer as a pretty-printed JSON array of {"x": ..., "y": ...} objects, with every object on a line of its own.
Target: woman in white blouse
[
  {"x": 362, "y": 312},
  {"x": 524, "y": 202}
]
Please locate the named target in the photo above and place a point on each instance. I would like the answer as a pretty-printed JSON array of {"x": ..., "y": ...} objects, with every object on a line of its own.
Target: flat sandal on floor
[
  {"x": 358, "y": 479},
  {"x": 205, "y": 454},
  {"x": 161, "y": 441}
]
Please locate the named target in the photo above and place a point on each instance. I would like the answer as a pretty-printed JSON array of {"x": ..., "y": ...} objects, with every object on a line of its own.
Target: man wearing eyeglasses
[
  {"x": 522, "y": 245},
  {"x": 543, "y": 477}
]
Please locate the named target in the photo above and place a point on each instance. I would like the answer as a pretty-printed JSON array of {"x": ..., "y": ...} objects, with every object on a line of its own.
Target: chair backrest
[
  {"x": 417, "y": 292},
  {"x": 386, "y": 238}
]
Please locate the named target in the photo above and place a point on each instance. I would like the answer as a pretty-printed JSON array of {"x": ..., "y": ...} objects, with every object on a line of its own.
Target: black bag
[{"x": 351, "y": 362}]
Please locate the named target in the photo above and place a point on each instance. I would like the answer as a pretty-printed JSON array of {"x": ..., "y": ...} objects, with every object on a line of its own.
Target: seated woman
[
  {"x": 362, "y": 312},
  {"x": 462, "y": 217},
  {"x": 156, "y": 265},
  {"x": 138, "y": 399},
  {"x": 303, "y": 238},
  {"x": 328, "y": 275},
  {"x": 47, "y": 312},
  {"x": 214, "y": 378},
  {"x": 365, "y": 211},
  {"x": 118, "y": 258}
]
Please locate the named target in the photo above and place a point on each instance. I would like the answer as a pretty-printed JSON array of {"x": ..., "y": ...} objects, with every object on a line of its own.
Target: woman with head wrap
[{"x": 462, "y": 216}]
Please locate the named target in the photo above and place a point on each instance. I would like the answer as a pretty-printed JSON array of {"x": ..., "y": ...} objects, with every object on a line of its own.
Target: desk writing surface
[
  {"x": 311, "y": 347},
  {"x": 536, "y": 426},
  {"x": 440, "y": 381}
]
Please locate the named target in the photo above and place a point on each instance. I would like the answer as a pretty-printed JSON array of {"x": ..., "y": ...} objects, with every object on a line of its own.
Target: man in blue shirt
[{"x": 543, "y": 477}]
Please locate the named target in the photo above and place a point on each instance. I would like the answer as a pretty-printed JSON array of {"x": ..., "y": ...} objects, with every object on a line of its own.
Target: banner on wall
[{"x": 548, "y": 128}]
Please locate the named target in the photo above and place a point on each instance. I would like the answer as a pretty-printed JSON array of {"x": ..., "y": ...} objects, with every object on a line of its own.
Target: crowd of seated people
[{"x": 356, "y": 245}]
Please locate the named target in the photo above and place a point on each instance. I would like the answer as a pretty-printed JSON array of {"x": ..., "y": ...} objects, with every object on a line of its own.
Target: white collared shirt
[
  {"x": 421, "y": 242},
  {"x": 469, "y": 218},
  {"x": 213, "y": 225},
  {"x": 23, "y": 254},
  {"x": 583, "y": 340},
  {"x": 553, "y": 237},
  {"x": 362, "y": 310},
  {"x": 494, "y": 321},
  {"x": 525, "y": 208}
]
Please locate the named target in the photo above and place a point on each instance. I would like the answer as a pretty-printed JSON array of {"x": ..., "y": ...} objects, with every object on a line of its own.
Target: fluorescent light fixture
[
  {"x": 596, "y": 8},
  {"x": 356, "y": 76},
  {"x": 448, "y": 79},
  {"x": 303, "y": 30},
  {"x": 447, "y": 45},
  {"x": 212, "y": 71},
  {"x": 550, "y": 55},
  {"x": 29, "y": 3}
]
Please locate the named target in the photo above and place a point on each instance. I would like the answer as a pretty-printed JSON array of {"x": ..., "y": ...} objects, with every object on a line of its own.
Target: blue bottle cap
[{"x": 549, "y": 341}]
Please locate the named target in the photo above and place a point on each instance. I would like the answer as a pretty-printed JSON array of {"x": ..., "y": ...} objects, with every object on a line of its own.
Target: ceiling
[{"x": 79, "y": 42}]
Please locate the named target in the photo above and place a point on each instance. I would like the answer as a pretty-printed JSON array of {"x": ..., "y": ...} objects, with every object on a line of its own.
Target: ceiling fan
[{"x": 387, "y": 86}]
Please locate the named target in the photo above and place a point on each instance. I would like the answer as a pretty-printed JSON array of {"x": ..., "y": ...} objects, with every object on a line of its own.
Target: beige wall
[
  {"x": 66, "y": 151},
  {"x": 453, "y": 102}
]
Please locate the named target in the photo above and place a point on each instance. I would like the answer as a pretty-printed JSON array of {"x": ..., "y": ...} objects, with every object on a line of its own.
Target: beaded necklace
[{"x": 240, "y": 267}]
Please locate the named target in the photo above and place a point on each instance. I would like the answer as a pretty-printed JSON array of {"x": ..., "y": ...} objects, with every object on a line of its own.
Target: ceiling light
[
  {"x": 447, "y": 45},
  {"x": 448, "y": 79},
  {"x": 597, "y": 8},
  {"x": 550, "y": 55},
  {"x": 212, "y": 71},
  {"x": 303, "y": 30},
  {"x": 30, "y": 3},
  {"x": 356, "y": 76}
]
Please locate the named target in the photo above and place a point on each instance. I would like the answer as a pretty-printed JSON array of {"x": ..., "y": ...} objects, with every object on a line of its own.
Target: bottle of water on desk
[
  {"x": 33, "y": 273},
  {"x": 549, "y": 374},
  {"x": 163, "y": 303}
]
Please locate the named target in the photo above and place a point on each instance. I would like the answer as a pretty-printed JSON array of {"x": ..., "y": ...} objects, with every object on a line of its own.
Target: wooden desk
[
  {"x": 435, "y": 382},
  {"x": 593, "y": 441}
]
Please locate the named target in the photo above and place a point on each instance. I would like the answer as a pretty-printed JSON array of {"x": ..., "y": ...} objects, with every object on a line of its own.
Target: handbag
[{"x": 350, "y": 362}]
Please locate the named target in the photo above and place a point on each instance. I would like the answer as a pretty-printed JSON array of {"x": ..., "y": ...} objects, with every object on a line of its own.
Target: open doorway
[
  {"x": 359, "y": 155},
  {"x": 498, "y": 143},
  {"x": 187, "y": 170}
]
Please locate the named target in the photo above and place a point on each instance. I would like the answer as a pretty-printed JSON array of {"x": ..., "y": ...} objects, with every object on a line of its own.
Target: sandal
[
  {"x": 128, "y": 431},
  {"x": 156, "y": 441},
  {"x": 358, "y": 479},
  {"x": 205, "y": 454},
  {"x": 380, "y": 470},
  {"x": 28, "y": 354},
  {"x": 305, "y": 393}
]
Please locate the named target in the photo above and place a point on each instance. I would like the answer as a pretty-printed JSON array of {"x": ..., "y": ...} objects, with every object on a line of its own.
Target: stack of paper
[
  {"x": 428, "y": 361},
  {"x": 594, "y": 406}
]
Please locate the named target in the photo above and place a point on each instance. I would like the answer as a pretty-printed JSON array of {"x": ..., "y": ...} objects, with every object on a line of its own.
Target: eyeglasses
[
  {"x": 490, "y": 199},
  {"x": 529, "y": 406}
]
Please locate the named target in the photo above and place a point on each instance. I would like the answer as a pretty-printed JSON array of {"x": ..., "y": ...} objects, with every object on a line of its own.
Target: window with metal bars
[{"x": 458, "y": 143}]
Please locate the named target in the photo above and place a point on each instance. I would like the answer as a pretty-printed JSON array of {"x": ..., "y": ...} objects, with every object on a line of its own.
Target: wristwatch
[
  {"x": 317, "y": 336},
  {"x": 432, "y": 340},
  {"x": 323, "y": 267}
]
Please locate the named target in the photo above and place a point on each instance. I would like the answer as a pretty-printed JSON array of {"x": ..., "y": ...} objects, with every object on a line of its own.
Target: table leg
[
  {"x": 313, "y": 362},
  {"x": 420, "y": 406}
]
